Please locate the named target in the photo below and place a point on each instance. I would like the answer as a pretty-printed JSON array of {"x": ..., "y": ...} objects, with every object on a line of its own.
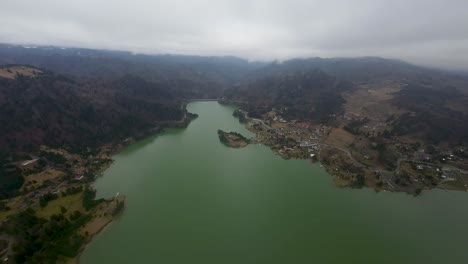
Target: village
[
  {"x": 392, "y": 164},
  {"x": 57, "y": 182}
]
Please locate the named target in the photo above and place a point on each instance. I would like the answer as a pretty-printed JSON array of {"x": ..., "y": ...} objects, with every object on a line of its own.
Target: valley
[
  {"x": 233, "y": 132},
  {"x": 66, "y": 113}
]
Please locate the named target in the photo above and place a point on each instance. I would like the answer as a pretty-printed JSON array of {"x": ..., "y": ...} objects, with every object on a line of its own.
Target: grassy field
[
  {"x": 36, "y": 180},
  {"x": 14, "y": 205},
  {"x": 340, "y": 138},
  {"x": 12, "y": 71},
  {"x": 71, "y": 202},
  {"x": 372, "y": 103}
]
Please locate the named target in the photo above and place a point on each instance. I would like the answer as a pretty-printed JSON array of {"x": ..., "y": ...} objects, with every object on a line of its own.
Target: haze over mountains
[
  {"x": 430, "y": 32},
  {"x": 102, "y": 96}
]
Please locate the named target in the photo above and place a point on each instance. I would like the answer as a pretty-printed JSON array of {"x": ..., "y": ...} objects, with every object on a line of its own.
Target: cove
[{"x": 190, "y": 199}]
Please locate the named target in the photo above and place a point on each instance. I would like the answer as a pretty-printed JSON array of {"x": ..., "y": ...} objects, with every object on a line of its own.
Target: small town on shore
[
  {"x": 57, "y": 188},
  {"x": 355, "y": 161}
]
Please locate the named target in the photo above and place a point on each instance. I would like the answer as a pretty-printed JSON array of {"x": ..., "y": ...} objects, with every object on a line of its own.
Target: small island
[{"x": 232, "y": 139}]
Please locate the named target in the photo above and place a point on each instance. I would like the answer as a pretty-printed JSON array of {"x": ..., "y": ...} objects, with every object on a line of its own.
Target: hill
[
  {"x": 202, "y": 76},
  {"x": 306, "y": 94},
  {"x": 56, "y": 110}
]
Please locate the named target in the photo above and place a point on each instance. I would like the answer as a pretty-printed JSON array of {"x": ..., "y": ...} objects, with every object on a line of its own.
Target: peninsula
[{"x": 233, "y": 139}]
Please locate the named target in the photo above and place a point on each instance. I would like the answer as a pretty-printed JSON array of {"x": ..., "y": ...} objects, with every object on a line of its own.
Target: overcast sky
[{"x": 428, "y": 32}]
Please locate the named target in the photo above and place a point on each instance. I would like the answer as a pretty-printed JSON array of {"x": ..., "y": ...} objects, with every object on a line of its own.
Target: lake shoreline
[
  {"x": 325, "y": 144},
  {"x": 58, "y": 183},
  {"x": 115, "y": 150},
  {"x": 101, "y": 227}
]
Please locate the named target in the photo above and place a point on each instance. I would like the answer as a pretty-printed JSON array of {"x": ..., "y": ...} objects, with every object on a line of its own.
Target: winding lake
[{"x": 192, "y": 200}]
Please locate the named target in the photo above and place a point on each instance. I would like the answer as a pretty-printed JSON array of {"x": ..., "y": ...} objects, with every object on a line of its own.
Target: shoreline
[
  {"x": 77, "y": 259},
  {"x": 115, "y": 150},
  {"x": 58, "y": 182},
  {"x": 304, "y": 140},
  {"x": 101, "y": 229}
]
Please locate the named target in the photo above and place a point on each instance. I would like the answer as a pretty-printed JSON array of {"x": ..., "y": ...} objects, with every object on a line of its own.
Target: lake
[{"x": 190, "y": 199}]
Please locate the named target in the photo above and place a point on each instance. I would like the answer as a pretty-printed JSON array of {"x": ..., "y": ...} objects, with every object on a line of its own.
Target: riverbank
[{"x": 57, "y": 184}]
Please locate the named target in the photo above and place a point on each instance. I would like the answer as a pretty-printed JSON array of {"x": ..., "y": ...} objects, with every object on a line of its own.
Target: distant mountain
[
  {"x": 120, "y": 87},
  {"x": 308, "y": 94},
  {"x": 210, "y": 73},
  {"x": 219, "y": 72},
  {"x": 354, "y": 69}
]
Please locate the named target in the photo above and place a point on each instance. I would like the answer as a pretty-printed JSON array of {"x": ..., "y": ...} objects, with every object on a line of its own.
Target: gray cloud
[{"x": 430, "y": 32}]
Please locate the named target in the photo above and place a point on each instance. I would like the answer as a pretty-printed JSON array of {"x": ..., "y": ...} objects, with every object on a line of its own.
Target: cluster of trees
[
  {"x": 53, "y": 157},
  {"x": 304, "y": 94},
  {"x": 433, "y": 128},
  {"x": 72, "y": 190},
  {"x": 359, "y": 181},
  {"x": 430, "y": 118},
  {"x": 89, "y": 200},
  {"x": 222, "y": 136},
  {"x": 238, "y": 114},
  {"x": 44, "y": 241},
  {"x": 46, "y": 198},
  {"x": 224, "y": 139},
  {"x": 354, "y": 126},
  {"x": 118, "y": 208},
  {"x": 11, "y": 179}
]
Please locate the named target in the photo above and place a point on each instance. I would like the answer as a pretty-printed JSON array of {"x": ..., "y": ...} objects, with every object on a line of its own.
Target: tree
[
  {"x": 118, "y": 208},
  {"x": 360, "y": 181}
]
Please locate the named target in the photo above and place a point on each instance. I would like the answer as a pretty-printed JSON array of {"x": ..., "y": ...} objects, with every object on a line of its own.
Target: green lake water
[{"x": 192, "y": 200}]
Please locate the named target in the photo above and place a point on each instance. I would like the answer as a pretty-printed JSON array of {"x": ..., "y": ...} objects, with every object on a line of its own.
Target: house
[
  {"x": 303, "y": 125},
  {"x": 420, "y": 155},
  {"x": 306, "y": 144}
]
